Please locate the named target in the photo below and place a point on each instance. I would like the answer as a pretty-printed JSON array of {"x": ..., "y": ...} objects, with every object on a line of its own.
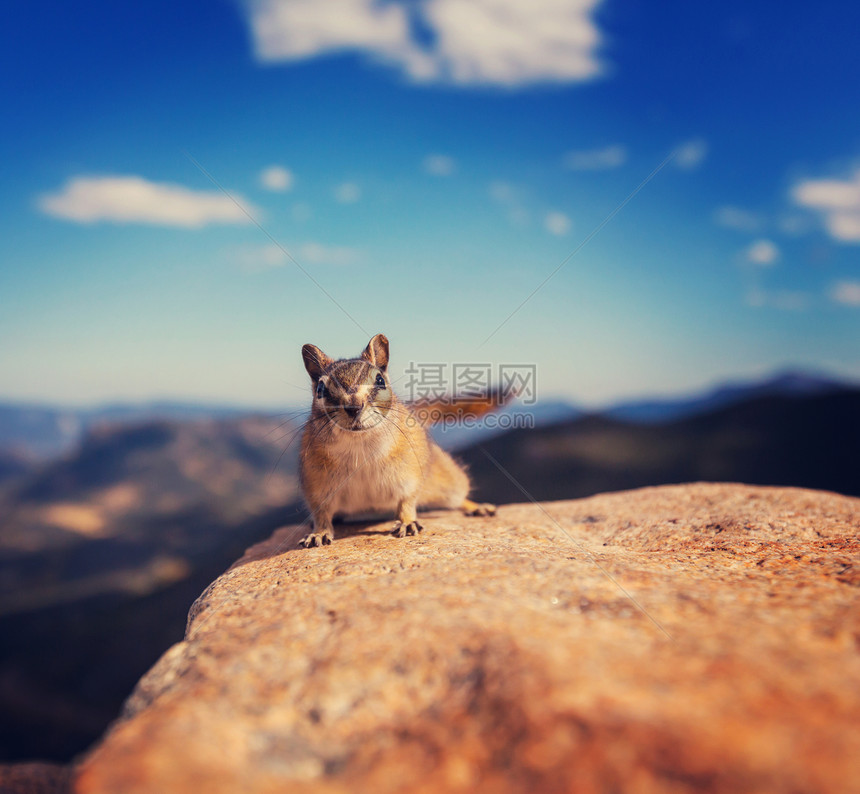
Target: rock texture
[{"x": 675, "y": 639}]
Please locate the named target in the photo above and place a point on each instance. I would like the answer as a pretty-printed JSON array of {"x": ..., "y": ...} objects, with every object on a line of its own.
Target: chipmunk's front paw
[
  {"x": 323, "y": 538},
  {"x": 471, "y": 508},
  {"x": 401, "y": 530}
]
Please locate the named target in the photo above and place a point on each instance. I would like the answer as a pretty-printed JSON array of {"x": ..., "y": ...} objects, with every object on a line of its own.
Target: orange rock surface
[{"x": 676, "y": 639}]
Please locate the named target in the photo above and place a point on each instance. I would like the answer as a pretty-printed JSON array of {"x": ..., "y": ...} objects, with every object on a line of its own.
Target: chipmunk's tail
[{"x": 451, "y": 410}]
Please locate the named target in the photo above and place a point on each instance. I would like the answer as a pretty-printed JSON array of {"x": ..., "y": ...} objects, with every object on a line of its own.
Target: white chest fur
[{"x": 365, "y": 477}]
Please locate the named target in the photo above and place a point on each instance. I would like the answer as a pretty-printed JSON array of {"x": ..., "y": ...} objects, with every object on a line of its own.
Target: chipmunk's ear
[
  {"x": 316, "y": 362},
  {"x": 376, "y": 352}
]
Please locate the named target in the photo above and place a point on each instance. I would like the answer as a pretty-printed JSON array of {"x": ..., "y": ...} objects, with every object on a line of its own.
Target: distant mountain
[
  {"x": 785, "y": 384},
  {"x": 13, "y": 465},
  {"x": 103, "y": 549},
  {"x": 38, "y": 431},
  {"x": 788, "y": 384},
  {"x": 102, "y": 553},
  {"x": 44, "y": 431},
  {"x": 513, "y": 416},
  {"x": 802, "y": 440}
]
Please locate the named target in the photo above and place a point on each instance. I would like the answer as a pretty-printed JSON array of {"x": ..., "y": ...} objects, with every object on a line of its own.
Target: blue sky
[{"x": 427, "y": 164}]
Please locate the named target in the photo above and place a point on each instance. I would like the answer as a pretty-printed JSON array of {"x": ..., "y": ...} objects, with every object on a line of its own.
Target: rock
[{"x": 675, "y": 639}]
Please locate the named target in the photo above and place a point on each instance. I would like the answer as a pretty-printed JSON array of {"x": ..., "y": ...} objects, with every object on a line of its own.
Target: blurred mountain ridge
[
  {"x": 807, "y": 440},
  {"x": 783, "y": 383},
  {"x": 103, "y": 549},
  {"x": 41, "y": 432},
  {"x": 35, "y": 432}
]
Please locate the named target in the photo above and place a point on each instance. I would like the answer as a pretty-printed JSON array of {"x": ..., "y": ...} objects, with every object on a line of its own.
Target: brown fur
[
  {"x": 433, "y": 411},
  {"x": 363, "y": 450}
]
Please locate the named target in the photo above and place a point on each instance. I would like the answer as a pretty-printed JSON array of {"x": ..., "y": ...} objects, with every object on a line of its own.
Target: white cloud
[
  {"x": 790, "y": 301},
  {"x": 510, "y": 42},
  {"x": 762, "y": 253},
  {"x": 319, "y": 254},
  {"x": 497, "y": 42},
  {"x": 596, "y": 159},
  {"x": 509, "y": 197},
  {"x": 133, "y": 199},
  {"x": 690, "y": 155},
  {"x": 257, "y": 259},
  {"x": 347, "y": 193},
  {"x": 439, "y": 164},
  {"x": 784, "y": 300},
  {"x": 846, "y": 293},
  {"x": 557, "y": 223},
  {"x": 737, "y": 218},
  {"x": 260, "y": 258},
  {"x": 277, "y": 178},
  {"x": 296, "y": 29},
  {"x": 501, "y": 192},
  {"x": 838, "y": 201}
]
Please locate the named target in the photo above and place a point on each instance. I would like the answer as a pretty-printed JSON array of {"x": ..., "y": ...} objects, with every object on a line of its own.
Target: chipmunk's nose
[{"x": 352, "y": 411}]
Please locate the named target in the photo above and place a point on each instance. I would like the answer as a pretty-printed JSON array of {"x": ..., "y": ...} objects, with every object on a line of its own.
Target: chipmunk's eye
[
  {"x": 380, "y": 382},
  {"x": 322, "y": 391}
]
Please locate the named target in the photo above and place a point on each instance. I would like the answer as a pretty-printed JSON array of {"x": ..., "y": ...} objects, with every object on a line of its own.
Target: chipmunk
[{"x": 364, "y": 450}]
